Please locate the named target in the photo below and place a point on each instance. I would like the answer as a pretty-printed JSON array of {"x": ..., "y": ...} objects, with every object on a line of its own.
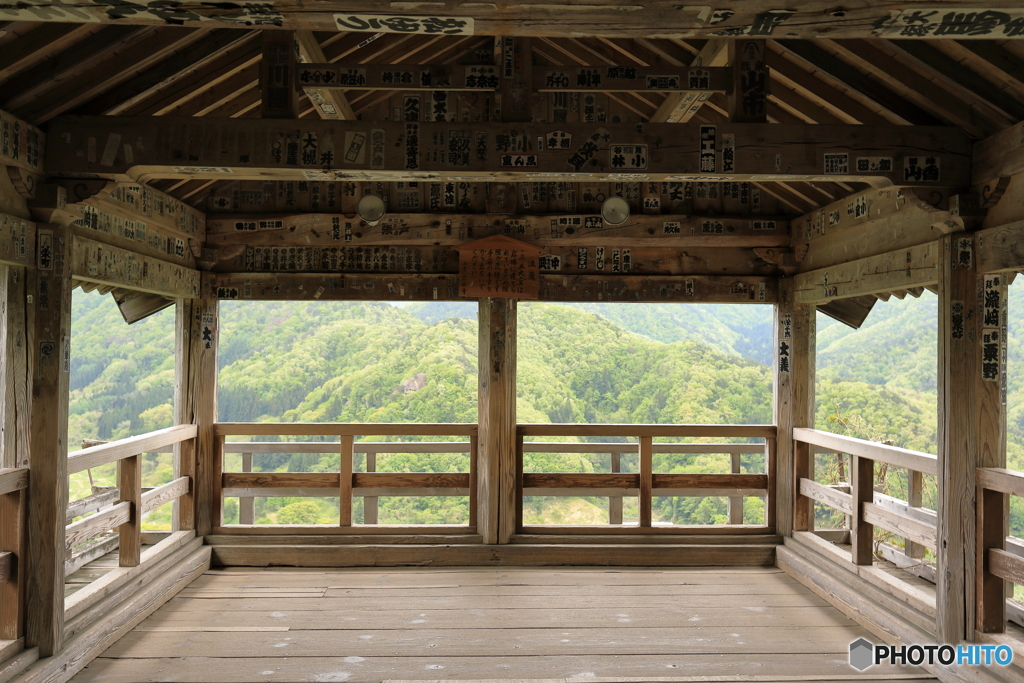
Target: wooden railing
[
  {"x": 124, "y": 510},
  {"x": 864, "y": 507},
  {"x": 646, "y": 484},
  {"x": 999, "y": 559},
  {"x": 13, "y": 485},
  {"x": 346, "y": 483}
]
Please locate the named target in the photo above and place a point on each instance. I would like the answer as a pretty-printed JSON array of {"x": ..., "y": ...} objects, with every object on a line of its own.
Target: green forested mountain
[{"x": 374, "y": 362}]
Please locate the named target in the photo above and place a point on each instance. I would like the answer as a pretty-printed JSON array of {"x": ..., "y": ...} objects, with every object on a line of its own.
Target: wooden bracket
[{"x": 787, "y": 260}]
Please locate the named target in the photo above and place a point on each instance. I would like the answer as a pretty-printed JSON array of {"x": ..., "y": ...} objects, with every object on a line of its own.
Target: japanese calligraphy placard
[{"x": 499, "y": 267}]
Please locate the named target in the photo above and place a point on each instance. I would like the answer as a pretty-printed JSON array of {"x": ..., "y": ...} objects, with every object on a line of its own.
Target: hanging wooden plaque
[{"x": 499, "y": 267}]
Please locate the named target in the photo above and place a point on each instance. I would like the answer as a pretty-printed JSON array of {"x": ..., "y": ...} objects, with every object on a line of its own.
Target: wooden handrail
[
  {"x": 647, "y": 430},
  {"x": 156, "y": 497},
  {"x": 95, "y": 456},
  {"x": 343, "y": 429},
  {"x": 1000, "y": 479},
  {"x": 13, "y": 479},
  {"x": 84, "y": 529},
  {"x": 376, "y": 447},
  {"x": 898, "y": 457}
]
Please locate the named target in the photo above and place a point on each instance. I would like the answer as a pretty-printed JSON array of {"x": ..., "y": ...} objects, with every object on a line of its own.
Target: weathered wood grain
[
  {"x": 414, "y": 287},
  {"x": 434, "y": 229},
  {"x": 49, "y": 350},
  {"x": 898, "y": 457},
  {"x": 108, "y": 265},
  {"x": 960, "y": 318},
  {"x": 94, "y": 456},
  {"x": 827, "y": 495},
  {"x": 916, "y": 266},
  {"x": 172, "y": 147}
]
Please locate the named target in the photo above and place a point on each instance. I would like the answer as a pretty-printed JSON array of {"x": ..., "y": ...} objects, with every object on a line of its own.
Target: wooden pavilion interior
[{"x": 811, "y": 156}]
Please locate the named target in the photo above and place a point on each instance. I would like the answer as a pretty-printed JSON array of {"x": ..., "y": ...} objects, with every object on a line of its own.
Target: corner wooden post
[
  {"x": 959, "y": 377},
  {"x": 129, "y": 483},
  {"x": 49, "y": 285},
  {"x": 496, "y": 459},
  {"x": 748, "y": 102},
  {"x": 184, "y": 413},
  {"x": 862, "y": 490},
  {"x": 199, "y": 406},
  {"x": 278, "y": 78},
  {"x": 15, "y": 389},
  {"x": 794, "y": 407},
  {"x": 15, "y": 370}
]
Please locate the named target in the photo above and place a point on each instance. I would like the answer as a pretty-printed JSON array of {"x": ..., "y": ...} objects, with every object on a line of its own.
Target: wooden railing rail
[
  {"x": 998, "y": 558},
  {"x": 346, "y": 484},
  {"x": 864, "y": 507},
  {"x": 646, "y": 484},
  {"x": 130, "y": 502},
  {"x": 13, "y": 485}
]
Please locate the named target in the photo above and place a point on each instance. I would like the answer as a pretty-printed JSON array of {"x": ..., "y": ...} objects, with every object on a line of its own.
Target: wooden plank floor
[{"x": 412, "y": 624}]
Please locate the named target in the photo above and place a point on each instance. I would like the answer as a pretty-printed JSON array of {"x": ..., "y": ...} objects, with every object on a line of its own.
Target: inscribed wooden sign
[{"x": 499, "y": 267}]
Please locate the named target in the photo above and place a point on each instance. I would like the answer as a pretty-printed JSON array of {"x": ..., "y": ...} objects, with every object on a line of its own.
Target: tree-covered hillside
[{"x": 640, "y": 363}]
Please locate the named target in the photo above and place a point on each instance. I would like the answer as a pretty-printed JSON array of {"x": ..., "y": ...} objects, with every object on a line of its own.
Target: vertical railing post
[
  {"x": 646, "y": 479},
  {"x": 345, "y": 481},
  {"x": 247, "y": 505},
  {"x": 473, "y": 454},
  {"x": 915, "y": 490},
  {"x": 991, "y": 604},
  {"x": 370, "y": 502},
  {"x": 184, "y": 457},
  {"x": 770, "y": 465},
  {"x": 12, "y": 591},
  {"x": 615, "y": 502},
  {"x": 735, "y": 502},
  {"x": 862, "y": 480},
  {"x": 129, "y": 484},
  {"x": 520, "y": 454},
  {"x": 803, "y": 507}
]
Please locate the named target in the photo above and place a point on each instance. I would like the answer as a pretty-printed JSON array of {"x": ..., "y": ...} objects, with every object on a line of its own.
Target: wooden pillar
[
  {"x": 15, "y": 388},
  {"x": 748, "y": 102},
  {"x": 959, "y": 377},
  {"x": 992, "y": 507},
  {"x": 196, "y": 403},
  {"x": 15, "y": 371},
  {"x": 184, "y": 452},
  {"x": 795, "y": 326},
  {"x": 496, "y": 457},
  {"x": 49, "y": 285},
  {"x": 278, "y": 80}
]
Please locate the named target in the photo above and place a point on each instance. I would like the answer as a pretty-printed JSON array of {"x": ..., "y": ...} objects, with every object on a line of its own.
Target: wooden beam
[
  {"x": 50, "y": 354},
  {"x": 998, "y": 156},
  {"x": 278, "y": 86},
  {"x": 793, "y": 395},
  {"x": 172, "y": 147},
  {"x": 22, "y": 145},
  {"x": 680, "y": 108},
  {"x": 662, "y": 19},
  {"x": 748, "y": 101},
  {"x": 413, "y": 287},
  {"x": 869, "y": 223},
  {"x": 1001, "y": 249},
  {"x": 17, "y": 241},
  {"x": 428, "y": 229},
  {"x": 496, "y": 455},
  {"x": 959, "y": 379},
  {"x": 100, "y": 263},
  {"x": 330, "y": 103},
  {"x": 896, "y": 270}
]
